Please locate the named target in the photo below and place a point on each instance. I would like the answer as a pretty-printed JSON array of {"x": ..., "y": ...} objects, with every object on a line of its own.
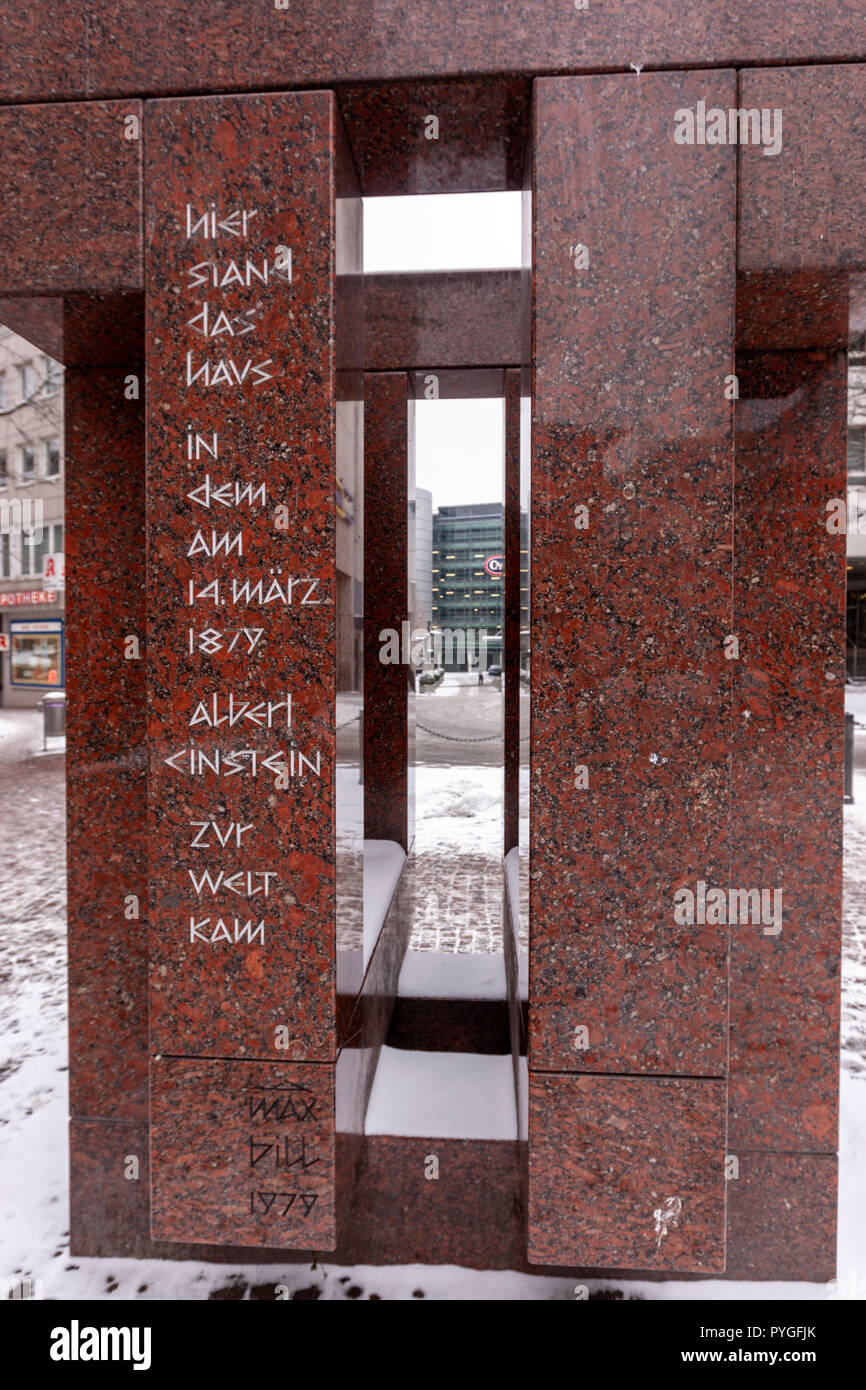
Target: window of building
[
  {"x": 27, "y": 380},
  {"x": 52, "y": 376},
  {"x": 2, "y": 390},
  {"x": 33, "y": 552},
  {"x": 6, "y": 557},
  {"x": 40, "y": 550},
  {"x": 857, "y": 455},
  {"x": 27, "y": 548},
  {"x": 28, "y": 463},
  {"x": 4, "y": 468},
  {"x": 36, "y": 653},
  {"x": 52, "y": 458}
]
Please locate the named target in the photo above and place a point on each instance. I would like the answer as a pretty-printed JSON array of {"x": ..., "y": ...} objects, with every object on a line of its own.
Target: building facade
[
  {"x": 467, "y": 582},
  {"x": 31, "y": 523}
]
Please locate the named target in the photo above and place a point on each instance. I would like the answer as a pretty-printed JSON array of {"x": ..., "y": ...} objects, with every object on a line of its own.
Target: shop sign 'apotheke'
[{"x": 27, "y": 596}]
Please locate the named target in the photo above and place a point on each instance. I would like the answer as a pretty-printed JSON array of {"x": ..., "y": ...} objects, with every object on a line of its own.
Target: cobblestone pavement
[
  {"x": 458, "y": 903},
  {"x": 32, "y": 820},
  {"x": 459, "y": 856}
]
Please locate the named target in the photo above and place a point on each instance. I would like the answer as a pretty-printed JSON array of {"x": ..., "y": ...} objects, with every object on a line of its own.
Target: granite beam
[{"x": 89, "y": 49}]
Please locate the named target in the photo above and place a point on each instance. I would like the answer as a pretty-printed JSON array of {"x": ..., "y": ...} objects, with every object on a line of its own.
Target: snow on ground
[
  {"x": 447, "y": 799},
  {"x": 443, "y": 1095},
  {"x": 855, "y": 703},
  {"x": 448, "y": 975},
  {"x": 33, "y": 1078}
]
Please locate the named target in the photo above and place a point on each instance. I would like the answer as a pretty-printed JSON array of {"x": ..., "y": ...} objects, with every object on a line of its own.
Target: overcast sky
[
  {"x": 459, "y": 450},
  {"x": 459, "y": 444},
  {"x": 443, "y": 231}
]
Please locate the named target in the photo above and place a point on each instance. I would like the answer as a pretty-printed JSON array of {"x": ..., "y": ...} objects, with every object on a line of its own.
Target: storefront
[{"x": 31, "y": 646}]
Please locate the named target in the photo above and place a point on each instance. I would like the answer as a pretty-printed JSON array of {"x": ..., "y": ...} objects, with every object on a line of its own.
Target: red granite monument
[{"x": 181, "y": 227}]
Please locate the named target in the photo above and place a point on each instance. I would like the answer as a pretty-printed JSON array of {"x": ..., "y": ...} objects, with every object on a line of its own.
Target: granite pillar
[
  {"x": 631, "y": 604},
  {"x": 251, "y": 639},
  {"x": 800, "y": 236},
  {"x": 388, "y": 621},
  {"x": 787, "y": 779},
  {"x": 105, "y": 774}
]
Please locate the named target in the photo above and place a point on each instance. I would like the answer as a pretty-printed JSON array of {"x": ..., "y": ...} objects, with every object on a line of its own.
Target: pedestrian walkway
[
  {"x": 458, "y": 903},
  {"x": 33, "y": 831}
]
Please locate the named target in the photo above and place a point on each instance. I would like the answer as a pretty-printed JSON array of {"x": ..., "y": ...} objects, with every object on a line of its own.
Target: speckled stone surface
[
  {"x": 471, "y": 1215},
  {"x": 216, "y": 44},
  {"x": 791, "y": 310},
  {"x": 456, "y": 383},
  {"x": 107, "y": 949},
  {"x": 387, "y": 688},
  {"x": 788, "y": 749},
  {"x": 805, "y": 206},
  {"x": 459, "y": 318},
  {"x": 44, "y": 52},
  {"x": 437, "y": 137},
  {"x": 81, "y": 330},
  {"x": 40, "y": 321},
  {"x": 268, "y": 396},
  {"x": 108, "y": 1212},
  {"x": 242, "y": 1153},
  {"x": 86, "y": 238},
  {"x": 629, "y": 610},
  {"x": 782, "y": 1217},
  {"x": 781, "y": 1209},
  {"x": 627, "y": 1171},
  {"x": 614, "y": 408},
  {"x": 365, "y": 1020},
  {"x": 105, "y": 762},
  {"x": 97, "y": 330}
]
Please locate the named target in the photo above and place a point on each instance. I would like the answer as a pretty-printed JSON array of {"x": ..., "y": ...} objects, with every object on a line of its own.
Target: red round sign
[{"x": 494, "y": 566}]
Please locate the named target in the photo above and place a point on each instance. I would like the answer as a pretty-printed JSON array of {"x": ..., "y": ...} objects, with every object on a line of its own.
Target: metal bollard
[{"x": 849, "y": 758}]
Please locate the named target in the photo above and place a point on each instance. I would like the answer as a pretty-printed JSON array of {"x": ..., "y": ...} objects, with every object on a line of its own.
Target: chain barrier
[
  {"x": 454, "y": 738},
  {"x": 451, "y": 738}
]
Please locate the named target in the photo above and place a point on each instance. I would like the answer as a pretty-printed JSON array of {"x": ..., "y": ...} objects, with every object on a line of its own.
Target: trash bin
[{"x": 53, "y": 716}]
